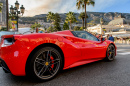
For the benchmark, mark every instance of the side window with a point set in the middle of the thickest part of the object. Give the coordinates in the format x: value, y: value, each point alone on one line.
x: 91, y: 37
x: 84, y: 35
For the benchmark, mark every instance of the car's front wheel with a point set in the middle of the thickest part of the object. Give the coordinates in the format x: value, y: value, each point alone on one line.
x: 45, y: 64
x: 110, y: 54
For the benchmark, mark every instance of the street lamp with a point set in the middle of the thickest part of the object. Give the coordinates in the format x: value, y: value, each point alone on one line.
x: 17, y: 5
x: 11, y: 9
x: 22, y: 9
x: 15, y: 11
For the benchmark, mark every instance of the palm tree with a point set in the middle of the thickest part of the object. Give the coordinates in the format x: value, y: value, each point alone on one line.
x: 65, y: 26
x: 83, y: 4
x: 82, y: 16
x: 35, y: 26
x: 70, y: 17
x: 50, y: 16
x: 57, y: 20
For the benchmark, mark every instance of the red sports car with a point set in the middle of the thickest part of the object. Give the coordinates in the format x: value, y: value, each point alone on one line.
x: 43, y: 55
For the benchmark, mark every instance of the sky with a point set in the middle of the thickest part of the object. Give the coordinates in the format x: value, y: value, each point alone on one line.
x: 36, y: 7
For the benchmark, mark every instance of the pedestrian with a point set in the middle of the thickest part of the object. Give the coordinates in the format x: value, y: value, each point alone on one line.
x: 36, y: 30
x: 40, y: 31
x: 98, y: 36
x: 111, y: 38
x: 107, y: 37
x: 101, y: 36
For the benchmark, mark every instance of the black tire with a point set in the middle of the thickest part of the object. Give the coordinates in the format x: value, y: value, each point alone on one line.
x: 45, y: 64
x: 110, y: 53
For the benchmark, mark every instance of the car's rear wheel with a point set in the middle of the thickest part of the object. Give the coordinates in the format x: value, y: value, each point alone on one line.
x: 110, y: 54
x: 45, y: 64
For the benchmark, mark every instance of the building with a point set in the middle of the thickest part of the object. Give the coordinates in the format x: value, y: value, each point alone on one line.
x: 96, y: 29
x: 119, y: 20
x: 3, y: 13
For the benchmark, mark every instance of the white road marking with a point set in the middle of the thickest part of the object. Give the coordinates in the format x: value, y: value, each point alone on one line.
x: 123, y: 49
x: 125, y: 53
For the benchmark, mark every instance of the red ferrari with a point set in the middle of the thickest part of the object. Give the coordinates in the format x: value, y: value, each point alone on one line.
x: 43, y: 55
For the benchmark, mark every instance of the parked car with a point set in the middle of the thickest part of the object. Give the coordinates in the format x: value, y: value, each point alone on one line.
x: 43, y: 55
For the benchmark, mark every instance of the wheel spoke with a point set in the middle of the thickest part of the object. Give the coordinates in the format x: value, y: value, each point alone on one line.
x: 110, y: 48
x: 44, y: 71
x: 48, y: 56
x: 39, y: 62
x: 110, y: 55
x: 41, y: 70
x: 50, y: 71
x: 43, y: 55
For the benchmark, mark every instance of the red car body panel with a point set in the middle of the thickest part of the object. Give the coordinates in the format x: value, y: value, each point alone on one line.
x: 77, y: 51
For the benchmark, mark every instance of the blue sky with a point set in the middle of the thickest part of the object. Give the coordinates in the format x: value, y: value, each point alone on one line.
x: 35, y: 7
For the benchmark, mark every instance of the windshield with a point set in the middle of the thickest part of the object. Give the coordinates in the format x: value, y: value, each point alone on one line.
x: 84, y: 35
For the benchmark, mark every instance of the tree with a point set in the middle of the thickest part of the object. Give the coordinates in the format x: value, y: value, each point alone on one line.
x: 82, y: 16
x: 50, y: 29
x: 57, y: 22
x: 50, y: 16
x: 82, y: 4
x: 35, y: 26
x: 1, y: 6
x: 55, y: 19
x: 65, y: 26
x: 76, y: 28
x: 70, y: 17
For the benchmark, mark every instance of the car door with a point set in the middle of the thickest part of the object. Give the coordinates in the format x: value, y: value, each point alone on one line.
x: 90, y: 46
x: 74, y: 42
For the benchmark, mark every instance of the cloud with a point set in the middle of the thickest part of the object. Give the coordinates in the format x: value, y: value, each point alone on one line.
x: 43, y: 6
x: 35, y: 7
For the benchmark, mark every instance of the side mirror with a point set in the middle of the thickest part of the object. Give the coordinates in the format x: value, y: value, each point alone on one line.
x: 103, y: 39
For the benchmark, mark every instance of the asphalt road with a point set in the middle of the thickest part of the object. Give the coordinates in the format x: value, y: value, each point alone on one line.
x: 116, y: 73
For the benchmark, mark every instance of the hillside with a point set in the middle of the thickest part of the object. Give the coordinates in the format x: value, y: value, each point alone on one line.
x: 94, y: 17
